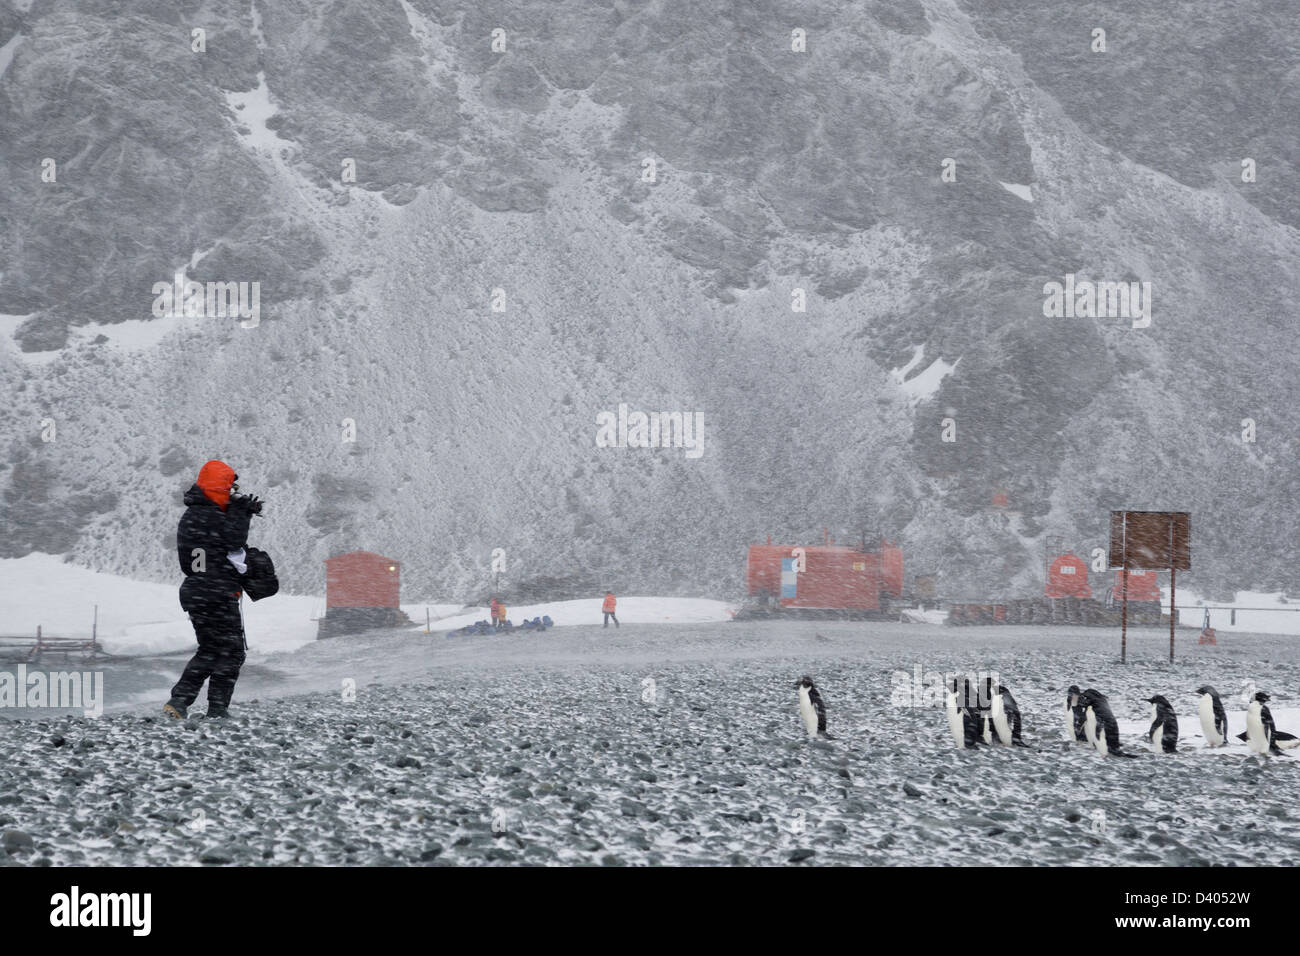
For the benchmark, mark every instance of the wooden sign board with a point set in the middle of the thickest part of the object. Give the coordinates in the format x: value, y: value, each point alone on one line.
x: 1151, y: 540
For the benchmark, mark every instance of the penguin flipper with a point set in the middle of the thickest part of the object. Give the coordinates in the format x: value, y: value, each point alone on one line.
x: 1242, y: 737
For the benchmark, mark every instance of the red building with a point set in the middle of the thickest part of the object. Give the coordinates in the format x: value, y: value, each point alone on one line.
x: 1142, y: 586
x: 363, y: 591
x: 1067, y: 576
x: 824, y: 577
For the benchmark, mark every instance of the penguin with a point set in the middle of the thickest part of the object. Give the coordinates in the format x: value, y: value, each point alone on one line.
x: 1214, y: 719
x: 956, y: 725
x: 1074, y: 716
x: 811, y: 708
x: 962, y: 723
x: 1002, y: 721
x: 1262, y: 735
x: 1163, y: 722
x: 1100, y: 724
x: 984, y: 708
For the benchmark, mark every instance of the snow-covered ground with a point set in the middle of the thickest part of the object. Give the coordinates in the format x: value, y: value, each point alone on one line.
x: 140, y: 617
x: 631, y: 610
x: 135, y: 617
x: 1260, y: 612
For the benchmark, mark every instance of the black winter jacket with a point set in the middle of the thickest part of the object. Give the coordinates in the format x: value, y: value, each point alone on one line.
x: 213, y: 591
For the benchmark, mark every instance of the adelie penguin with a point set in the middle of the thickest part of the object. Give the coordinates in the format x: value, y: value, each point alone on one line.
x: 812, y: 711
x: 963, y: 721
x: 1100, y: 724
x: 1262, y: 735
x: 1074, y: 715
x: 1002, y: 717
x: 1214, y: 719
x: 1163, y: 734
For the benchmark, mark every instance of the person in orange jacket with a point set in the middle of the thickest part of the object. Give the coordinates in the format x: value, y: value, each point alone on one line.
x: 501, y: 614
x: 495, y: 607
x: 608, y: 607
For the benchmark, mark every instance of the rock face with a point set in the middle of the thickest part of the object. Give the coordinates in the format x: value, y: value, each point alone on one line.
x: 387, y: 177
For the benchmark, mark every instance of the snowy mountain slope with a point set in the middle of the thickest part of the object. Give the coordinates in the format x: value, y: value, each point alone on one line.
x: 521, y: 171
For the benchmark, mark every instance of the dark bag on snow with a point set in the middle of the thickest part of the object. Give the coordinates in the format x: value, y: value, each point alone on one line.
x: 259, y: 580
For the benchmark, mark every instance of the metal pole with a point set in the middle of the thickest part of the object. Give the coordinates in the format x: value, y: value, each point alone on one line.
x: 1173, y: 572
x: 1123, y: 619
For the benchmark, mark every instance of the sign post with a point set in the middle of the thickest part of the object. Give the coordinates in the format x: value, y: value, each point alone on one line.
x: 1154, y: 541
x: 1123, y: 619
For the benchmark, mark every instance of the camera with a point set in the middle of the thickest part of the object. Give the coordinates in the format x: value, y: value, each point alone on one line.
x: 251, y: 502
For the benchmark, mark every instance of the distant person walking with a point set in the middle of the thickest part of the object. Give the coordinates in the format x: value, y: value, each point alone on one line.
x: 211, y: 544
x: 495, y: 607
x: 608, y: 608
x: 501, y: 615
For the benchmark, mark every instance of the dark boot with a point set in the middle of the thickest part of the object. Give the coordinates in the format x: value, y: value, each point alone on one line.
x: 175, y: 709
x: 218, y: 710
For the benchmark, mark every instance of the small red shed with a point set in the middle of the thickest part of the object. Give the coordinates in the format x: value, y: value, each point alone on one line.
x: 362, y: 579
x: 825, y: 577
x: 1142, y: 586
x: 1067, y: 576
x: 363, y: 590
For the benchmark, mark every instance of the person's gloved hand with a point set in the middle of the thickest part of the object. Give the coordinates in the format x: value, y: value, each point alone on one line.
x: 250, y: 503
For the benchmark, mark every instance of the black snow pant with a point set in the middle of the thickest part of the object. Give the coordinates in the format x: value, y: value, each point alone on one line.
x: 608, y: 615
x: 218, y: 659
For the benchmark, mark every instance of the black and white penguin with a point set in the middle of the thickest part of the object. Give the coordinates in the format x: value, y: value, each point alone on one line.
x: 1001, y: 719
x: 1100, y: 724
x: 1262, y: 735
x: 963, y: 722
x: 1163, y: 734
x: 1214, y: 719
x: 811, y: 709
x: 1074, y: 716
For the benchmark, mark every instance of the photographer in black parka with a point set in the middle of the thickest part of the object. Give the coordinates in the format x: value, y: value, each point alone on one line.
x: 211, y: 543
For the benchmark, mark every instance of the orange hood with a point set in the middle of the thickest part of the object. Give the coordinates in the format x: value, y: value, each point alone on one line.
x: 215, y: 479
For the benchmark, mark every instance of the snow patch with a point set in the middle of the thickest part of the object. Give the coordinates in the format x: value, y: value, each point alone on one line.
x: 7, y: 52
x: 901, y: 373
x: 915, y: 615
x: 1016, y: 189
x: 925, y: 385
x: 252, y: 109
x: 258, y: 35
